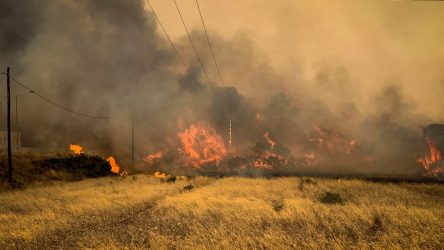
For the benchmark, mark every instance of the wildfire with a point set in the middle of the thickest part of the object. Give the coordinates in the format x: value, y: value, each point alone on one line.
x: 76, y: 149
x: 154, y: 157
x: 332, y: 141
x: 115, y: 168
x: 201, y: 145
x: 270, y: 141
x: 429, y: 162
x: 159, y: 174
x: 310, y: 159
x: 268, y: 160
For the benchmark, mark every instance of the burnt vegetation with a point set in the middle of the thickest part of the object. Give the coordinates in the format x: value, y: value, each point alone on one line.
x: 32, y: 168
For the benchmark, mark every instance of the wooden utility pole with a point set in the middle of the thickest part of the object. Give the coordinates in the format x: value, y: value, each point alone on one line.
x: 132, y: 143
x: 8, y: 89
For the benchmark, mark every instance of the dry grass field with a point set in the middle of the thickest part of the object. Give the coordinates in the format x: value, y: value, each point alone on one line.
x: 139, y: 212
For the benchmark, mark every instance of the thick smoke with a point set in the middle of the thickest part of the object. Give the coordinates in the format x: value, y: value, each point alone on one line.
x: 108, y: 58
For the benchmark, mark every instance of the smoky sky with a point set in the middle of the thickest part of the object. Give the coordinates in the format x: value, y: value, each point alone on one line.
x: 110, y: 58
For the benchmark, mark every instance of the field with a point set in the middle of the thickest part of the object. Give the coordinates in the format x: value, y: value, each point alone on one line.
x: 142, y: 211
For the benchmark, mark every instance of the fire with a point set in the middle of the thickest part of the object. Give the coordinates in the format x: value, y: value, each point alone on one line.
x: 271, y: 142
x: 201, y: 145
x: 76, y: 149
x: 115, y: 168
x: 430, y: 161
x: 159, y: 174
x: 268, y: 160
x: 310, y: 159
x: 332, y: 141
x: 154, y: 157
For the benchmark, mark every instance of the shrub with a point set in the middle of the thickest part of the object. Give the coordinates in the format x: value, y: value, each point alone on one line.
x: 171, y: 179
x: 304, y: 182
x: 331, y: 198
x: 377, y: 224
x: 188, y: 187
x: 80, y: 166
x: 278, y: 205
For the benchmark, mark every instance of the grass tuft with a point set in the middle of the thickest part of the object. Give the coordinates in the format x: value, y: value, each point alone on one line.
x: 188, y: 187
x: 171, y: 179
x: 331, y: 198
x: 278, y: 205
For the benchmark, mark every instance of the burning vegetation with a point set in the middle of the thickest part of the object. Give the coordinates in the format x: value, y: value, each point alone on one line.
x: 200, y: 145
x: 260, y: 120
x: 432, y: 163
x: 76, y: 149
x: 112, y: 162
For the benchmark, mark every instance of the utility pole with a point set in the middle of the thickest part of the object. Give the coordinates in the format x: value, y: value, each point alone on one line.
x: 132, y: 143
x: 229, y: 134
x: 8, y: 89
x: 16, y: 125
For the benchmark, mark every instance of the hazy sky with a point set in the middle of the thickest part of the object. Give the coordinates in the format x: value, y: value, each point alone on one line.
x: 378, y: 41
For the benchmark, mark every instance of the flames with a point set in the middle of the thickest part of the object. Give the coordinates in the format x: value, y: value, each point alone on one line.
x: 333, y: 142
x: 159, y: 174
x: 270, y: 141
x: 201, y: 145
x: 432, y: 162
x: 115, y: 168
x: 76, y: 149
x: 152, y: 158
x: 268, y: 158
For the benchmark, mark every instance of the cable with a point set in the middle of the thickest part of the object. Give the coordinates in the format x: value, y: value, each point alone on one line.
x: 58, y: 105
x: 230, y: 108
x: 194, y: 47
x: 175, y: 49
x: 209, y: 44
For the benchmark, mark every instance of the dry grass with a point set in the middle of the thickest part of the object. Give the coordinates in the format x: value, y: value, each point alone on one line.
x: 142, y: 212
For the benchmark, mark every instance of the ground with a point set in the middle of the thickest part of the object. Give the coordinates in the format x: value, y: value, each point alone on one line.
x: 142, y: 211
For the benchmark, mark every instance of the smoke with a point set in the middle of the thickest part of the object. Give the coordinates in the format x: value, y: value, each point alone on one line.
x: 110, y: 59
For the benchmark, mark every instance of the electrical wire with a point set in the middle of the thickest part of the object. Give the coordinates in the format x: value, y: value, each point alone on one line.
x: 194, y: 47
x: 59, y: 105
x: 209, y: 44
x: 176, y: 50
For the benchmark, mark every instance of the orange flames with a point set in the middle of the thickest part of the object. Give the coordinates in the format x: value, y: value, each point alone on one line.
x: 76, y: 149
x: 270, y: 141
x: 332, y: 141
x: 310, y: 159
x: 159, y: 174
x: 268, y: 160
x: 201, y: 145
x: 429, y: 162
x: 115, y: 168
x: 154, y: 157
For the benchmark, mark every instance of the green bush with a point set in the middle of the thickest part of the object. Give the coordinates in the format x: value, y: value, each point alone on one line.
x: 331, y: 198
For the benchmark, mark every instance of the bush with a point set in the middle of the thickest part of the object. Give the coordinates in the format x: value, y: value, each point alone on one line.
x: 304, y: 182
x: 188, y: 187
x: 171, y: 179
x: 80, y: 166
x: 278, y: 205
x: 331, y: 198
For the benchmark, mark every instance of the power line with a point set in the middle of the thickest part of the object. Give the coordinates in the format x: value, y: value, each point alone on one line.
x: 209, y: 44
x: 58, y: 105
x: 194, y: 47
x: 176, y: 50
